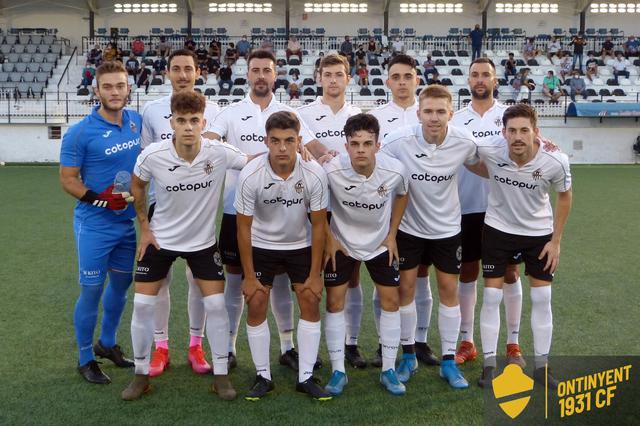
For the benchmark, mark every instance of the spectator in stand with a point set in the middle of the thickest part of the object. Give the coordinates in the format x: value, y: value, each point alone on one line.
x: 2, y: 58
x: 577, y: 86
x: 110, y: 53
x: 551, y: 87
x: 554, y: 46
x: 204, y: 70
x: 510, y: 67
x: 373, y: 49
x: 385, y: 55
x: 578, y: 42
x: 317, y: 65
x: 620, y: 65
x: 363, y: 75
x: 88, y: 73
x: 429, y: 66
x: 295, y: 83
x: 137, y: 47
x: 566, y: 66
x: 231, y: 55
x: 475, y: 37
x: 244, y: 47
x: 94, y: 57
x: 592, y: 71
x: 607, y: 49
x: 281, y: 70
x: 267, y: 44
x: 361, y: 56
x: 293, y: 48
x: 144, y: 79
x: 132, y: 65
x: 346, y: 49
x: 631, y: 46
x: 397, y: 46
x: 164, y: 48
x: 160, y: 67
x: 523, y: 84
x: 529, y: 50
x: 213, y: 66
x: 202, y: 53
x: 225, y: 77
x: 119, y: 54
x: 215, y: 48
x: 592, y: 61
x: 190, y: 44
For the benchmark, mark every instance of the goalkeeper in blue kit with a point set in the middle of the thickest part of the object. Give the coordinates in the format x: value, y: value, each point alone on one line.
x: 105, y: 144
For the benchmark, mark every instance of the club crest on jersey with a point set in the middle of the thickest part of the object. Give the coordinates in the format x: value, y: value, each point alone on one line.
x: 133, y: 127
x: 299, y: 186
x: 217, y: 259
x: 208, y: 167
x: 498, y: 122
x: 537, y: 174
x: 383, y: 191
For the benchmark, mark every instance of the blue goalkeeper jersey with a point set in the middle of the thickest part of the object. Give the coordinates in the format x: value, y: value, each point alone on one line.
x: 102, y: 149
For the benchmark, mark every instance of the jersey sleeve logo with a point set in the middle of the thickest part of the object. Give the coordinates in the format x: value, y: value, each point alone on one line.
x: 299, y: 186
x: 208, y: 167
x: 537, y: 174
x: 383, y: 191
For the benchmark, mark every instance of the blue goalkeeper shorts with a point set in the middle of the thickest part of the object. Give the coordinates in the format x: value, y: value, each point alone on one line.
x: 103, y: 247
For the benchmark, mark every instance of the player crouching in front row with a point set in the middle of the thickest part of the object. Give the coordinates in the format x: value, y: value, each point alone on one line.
x: 368, y: 199
x: 188, y: 173
x: 274, y: 233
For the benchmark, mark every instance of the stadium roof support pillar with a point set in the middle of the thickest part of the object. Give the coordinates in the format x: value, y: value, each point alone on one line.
x: 581, y: 8
x: 189, y: 16
x: 386, y: 17
x: 91, y: 5
x: 287, y: 16
x: 483, y: 6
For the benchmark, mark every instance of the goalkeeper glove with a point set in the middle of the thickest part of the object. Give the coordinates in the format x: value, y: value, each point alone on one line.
x: 106, y: 199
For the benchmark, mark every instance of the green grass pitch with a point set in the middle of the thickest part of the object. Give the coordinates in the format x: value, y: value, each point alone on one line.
x: 595, y: 301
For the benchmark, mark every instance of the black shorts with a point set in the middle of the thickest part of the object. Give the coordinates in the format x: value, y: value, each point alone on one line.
x: 228, y: 240
x: 378, y: 267
x: 499, y: 248
x: 269, y: 263
x: 471, y: 236
x: 205, y: 264
x: 444, y: 253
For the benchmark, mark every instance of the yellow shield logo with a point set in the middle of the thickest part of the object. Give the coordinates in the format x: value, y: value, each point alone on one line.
x: 512, y: 382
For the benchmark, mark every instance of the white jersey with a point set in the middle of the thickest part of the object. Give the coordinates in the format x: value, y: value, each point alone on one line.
x: 279, y: 207
x: 326, y: 126
x: 362, y: 206
x: 519, y: 196
x: 155, y: 120
x: 187, y: 194
x: 242, y: 124
x: 433, y: 210
x: 473, y: 189
x: 391, y: 117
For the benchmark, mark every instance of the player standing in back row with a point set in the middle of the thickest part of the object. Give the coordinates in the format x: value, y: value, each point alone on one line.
x: 326, y: 117
x: 156, y: 128
x: 483, y: 117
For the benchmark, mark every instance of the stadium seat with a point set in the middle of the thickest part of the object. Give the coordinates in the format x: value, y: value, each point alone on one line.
x: 25, y: 57
x: 464, y: 92
x: 375, y: 71
x: 224, y: 92
x: 449, y: 53
x: 308, y: 82
x: 56, y: 48
x: 604, y: 92
x: 8, y: 67
x: 239, y: 81
x: 453, y: 62
x: 18, y: 48
x: 618, y: 92
x: 463, y: 53
x: 4, y: 77
x: 10, y: 39
x: 377, y: 82
x: 20, y: 67
x: 446, y: 82
x: 379, y: 92
x: 558, y: 31
x: 48, y: 39
x: 456, y: 71
x: 532, y: 63
x: 42, y: 77
x: 28, y: 77
x: 436, y: 53
x: 31, y: 48
x: 46, y: 67
x: 238, y: 91
x: 5, y: 49
x: 365, y: 91
x: 440, y: 63
x: 309, y: 91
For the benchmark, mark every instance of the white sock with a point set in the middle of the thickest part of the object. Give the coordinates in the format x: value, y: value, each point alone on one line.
x: 282, y: 309
x: 308, y: 344
x: 449, y: 327
x: 162, y: 310
x: 259, y: 338
x: 334, y: 329
x: 353, y: 314
x: 235, y: 304
x: 142, y: 331
x: 390, y: 337
x: 468, y: 296
x: 424, y: 305
x: 377, y: 309
x: 408, y: 319
x: 513, y: 309
x: 490, y: 324
x: 217, y: 331
x: 195, y: 307
x: 541, y: 323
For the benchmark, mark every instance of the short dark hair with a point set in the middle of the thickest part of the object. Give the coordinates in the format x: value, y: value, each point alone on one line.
x: 261, y: 54
x: 188, y: 102
x: 283, y: 120
x: 520, y: 110
x: 109, y: 67
x: 362, y: 121
x: 334, y: 59
x: 182, y: 52
x: 484, y: 61
x: 402, y: 59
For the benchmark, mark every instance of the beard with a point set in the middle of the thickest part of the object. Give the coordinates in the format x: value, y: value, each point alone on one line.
x: 111, y: 108
x: 261, y: 91
x: 481, y: 96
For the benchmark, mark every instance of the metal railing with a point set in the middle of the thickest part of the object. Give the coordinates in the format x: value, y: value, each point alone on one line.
x: 65, y: 71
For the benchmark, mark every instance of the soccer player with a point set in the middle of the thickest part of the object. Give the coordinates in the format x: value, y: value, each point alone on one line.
x: 519, y: 219
x: 188, y: 172
x: 483, y: 117
x: 369, y: 194
x: 429, y: 232
x: 156, y: 128
x: 326, y: 117
x: 242, y: 124
x: 402, y: 111
x: 93, y: 152
x: 274, y: 233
